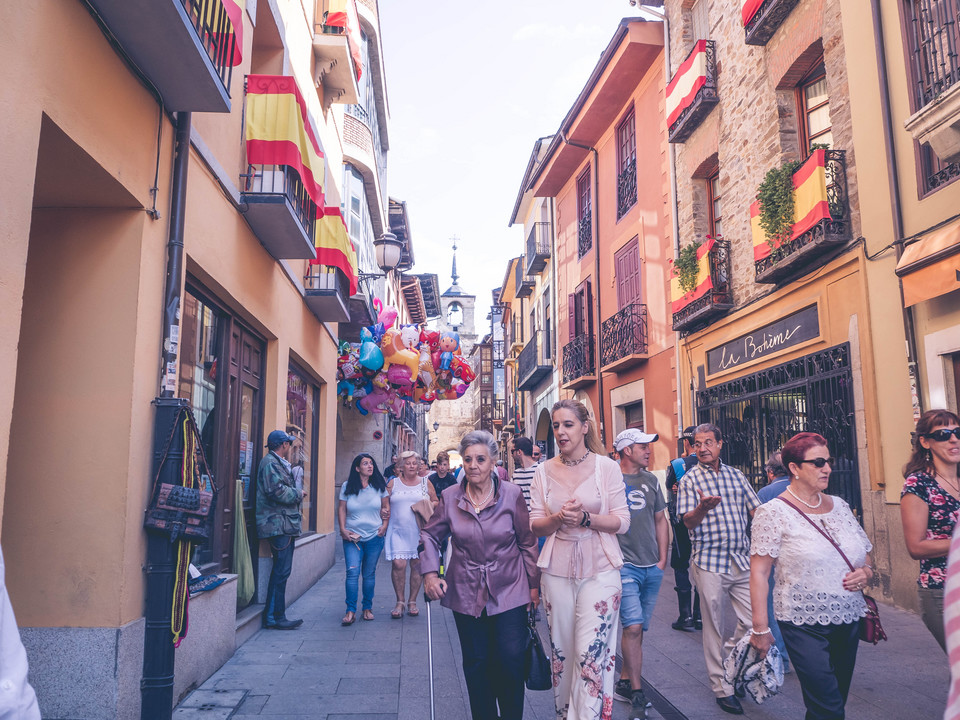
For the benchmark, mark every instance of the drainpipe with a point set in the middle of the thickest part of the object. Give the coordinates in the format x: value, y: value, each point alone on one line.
x: 596, y: 263
x: 893, y: 181
x: 156, y: 685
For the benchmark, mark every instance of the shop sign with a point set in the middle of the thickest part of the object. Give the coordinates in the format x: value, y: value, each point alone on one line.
x: 771, y: 339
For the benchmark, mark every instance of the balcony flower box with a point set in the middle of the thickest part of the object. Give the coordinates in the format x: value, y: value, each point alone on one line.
x: 692, y: 92
x: 821, y: 219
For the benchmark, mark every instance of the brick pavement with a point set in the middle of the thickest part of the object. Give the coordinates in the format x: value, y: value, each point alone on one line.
x: 378, y: 670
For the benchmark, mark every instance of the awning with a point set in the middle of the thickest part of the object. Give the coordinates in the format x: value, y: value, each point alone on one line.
x: 334, y: 247
x: 930, y: 267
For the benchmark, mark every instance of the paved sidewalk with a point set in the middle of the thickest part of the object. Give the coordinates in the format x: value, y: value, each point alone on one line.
x: 378, y: 670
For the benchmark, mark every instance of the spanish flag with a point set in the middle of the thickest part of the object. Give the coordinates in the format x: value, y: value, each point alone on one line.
x: 334, y: 247
x: 678, y: 298
x: 280, y: 132
x: 810, y: 204
x: 749, y: 9
x: 343, y: 13
x: 686, y: 83
x: 223, y: 19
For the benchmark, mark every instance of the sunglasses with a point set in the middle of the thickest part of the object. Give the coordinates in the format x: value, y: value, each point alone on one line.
x: 819, y: 462
x: 943, y: 434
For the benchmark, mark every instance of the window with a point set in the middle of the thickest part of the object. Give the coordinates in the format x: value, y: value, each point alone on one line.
x: 699, y: 25
x: 633, y: 415
x: 814, y: 110
x: 303, y: 423
x: 585, y: 227
x: 580, y: 308
x: 626, y: 263
x: 626, y: 164
x: 713, y: 201
x: 547, y: 337
x: 933, y: 37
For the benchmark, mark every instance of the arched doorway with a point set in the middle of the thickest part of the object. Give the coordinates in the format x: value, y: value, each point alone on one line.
x: 544, y: 434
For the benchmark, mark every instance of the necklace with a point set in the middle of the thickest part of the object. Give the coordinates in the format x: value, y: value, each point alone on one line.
x: 812, y: 507
x: 486, y: 499
x: 954, y: 486
x: 573, y: 463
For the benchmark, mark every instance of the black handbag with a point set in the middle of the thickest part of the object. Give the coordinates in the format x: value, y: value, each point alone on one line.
x: 539, y: 675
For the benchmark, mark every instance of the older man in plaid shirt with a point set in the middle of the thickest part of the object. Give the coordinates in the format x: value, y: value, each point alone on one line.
x: 715, y: 503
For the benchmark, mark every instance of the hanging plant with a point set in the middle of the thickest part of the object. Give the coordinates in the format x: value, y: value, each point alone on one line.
x: 775, y: 196
x: 687, y: 266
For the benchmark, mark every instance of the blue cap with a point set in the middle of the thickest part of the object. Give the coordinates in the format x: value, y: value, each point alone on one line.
x: 278, y: 438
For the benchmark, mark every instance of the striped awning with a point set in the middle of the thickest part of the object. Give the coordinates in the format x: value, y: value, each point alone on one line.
x: 279, y: 131
x: 678, y: 298
x: 810, y: 204
x: 686, y: 82
x: 334, y: 247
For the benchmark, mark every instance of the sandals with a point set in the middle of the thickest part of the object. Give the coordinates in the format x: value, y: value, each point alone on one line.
x: 368, y: 615
x: 349, y: 618
x: 412, y: 609
x: 397, y: 612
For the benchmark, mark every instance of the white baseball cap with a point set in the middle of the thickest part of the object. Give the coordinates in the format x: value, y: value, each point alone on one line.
x: 631, y: 436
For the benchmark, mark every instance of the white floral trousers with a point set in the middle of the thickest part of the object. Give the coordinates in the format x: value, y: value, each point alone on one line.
x: 584, y: 616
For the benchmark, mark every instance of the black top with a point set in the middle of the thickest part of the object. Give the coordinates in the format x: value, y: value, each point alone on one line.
x: 442, y: 483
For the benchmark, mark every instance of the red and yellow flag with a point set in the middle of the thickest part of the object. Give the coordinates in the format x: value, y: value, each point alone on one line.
x: 678, y: 298
x: 225, y: 27
x: 343, y: 13
x: 689, y: 78
x: 749, y: 9
x: 334, y: 247
x: 279, y: 131
x: 810, y: 204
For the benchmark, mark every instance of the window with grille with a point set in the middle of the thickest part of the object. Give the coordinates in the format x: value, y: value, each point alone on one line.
x: 814, y: 110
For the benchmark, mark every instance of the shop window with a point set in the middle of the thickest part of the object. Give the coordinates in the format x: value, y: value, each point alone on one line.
x: 814, y: 110
x: 713, y: 204
x: 633, y: 415
x: 303, y: 421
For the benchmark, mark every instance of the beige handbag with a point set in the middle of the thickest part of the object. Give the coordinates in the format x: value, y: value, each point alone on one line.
x: 423, y: 509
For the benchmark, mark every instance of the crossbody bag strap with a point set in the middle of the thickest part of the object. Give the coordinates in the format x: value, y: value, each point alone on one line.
x: 819, y: 530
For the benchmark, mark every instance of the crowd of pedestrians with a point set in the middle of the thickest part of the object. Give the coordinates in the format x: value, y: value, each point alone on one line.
x: 594, y: 535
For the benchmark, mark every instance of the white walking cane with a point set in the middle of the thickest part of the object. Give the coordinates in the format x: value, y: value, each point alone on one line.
x: 430, y: 654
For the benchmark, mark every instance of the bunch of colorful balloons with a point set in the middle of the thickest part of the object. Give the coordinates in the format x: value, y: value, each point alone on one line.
x: 391, y: 365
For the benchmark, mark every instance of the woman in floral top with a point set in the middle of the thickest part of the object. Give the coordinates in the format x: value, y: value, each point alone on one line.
x: 930, y: 507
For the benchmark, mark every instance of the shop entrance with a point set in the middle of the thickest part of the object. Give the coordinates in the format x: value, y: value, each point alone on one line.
x: 758, y: 413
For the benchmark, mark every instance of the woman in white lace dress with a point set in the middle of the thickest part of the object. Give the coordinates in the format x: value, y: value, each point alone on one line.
x: 403, y: 533
x: 817, y: 599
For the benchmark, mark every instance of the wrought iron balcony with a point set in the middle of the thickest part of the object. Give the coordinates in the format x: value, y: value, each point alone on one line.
x: 499, y: 411
x: 627, y: 188
x: 280, y: 211
x: 538, y: 247
x: 798, y: 255
x: 623, y: 338
x: 524, y: 282
x: 761, y: 26
x: 690, y: 111
x: 716, y: 300
x: 532, y: 368
x: 327, y: 293
x: 185, y: 47
x: 579, y: 366
x: 498, y: 354
x: 584, y: 235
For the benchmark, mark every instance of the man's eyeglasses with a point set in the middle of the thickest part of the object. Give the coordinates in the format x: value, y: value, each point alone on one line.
x: 943, y: 434
x: 819, y: 462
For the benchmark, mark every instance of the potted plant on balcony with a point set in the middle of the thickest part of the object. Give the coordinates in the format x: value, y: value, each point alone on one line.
x: 775, y: 198
x: 687, y: 266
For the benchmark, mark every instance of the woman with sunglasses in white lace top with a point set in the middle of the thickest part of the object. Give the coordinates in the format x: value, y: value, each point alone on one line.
x: 929, y: 508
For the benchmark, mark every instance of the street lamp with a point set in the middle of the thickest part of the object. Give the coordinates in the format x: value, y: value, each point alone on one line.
x: 388, y: 249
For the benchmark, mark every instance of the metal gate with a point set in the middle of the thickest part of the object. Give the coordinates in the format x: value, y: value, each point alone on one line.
x: 758, y: 413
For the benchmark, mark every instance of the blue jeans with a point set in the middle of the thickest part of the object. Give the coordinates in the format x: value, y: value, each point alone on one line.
x: 641, y: 586
x: 774, y: 627
x: 275, y: 607
x: 361, y: 557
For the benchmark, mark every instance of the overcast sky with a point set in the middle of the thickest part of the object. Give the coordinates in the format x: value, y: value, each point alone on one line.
x: 470, y: 87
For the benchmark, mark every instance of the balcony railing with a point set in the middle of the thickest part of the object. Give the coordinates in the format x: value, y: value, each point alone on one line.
x: 627, y: 188
x: 760, y: 26
x: 498, y: 354
x: 409, y: 416
x: 538, y: 247
x: 499, y: 411
x: 623, y: 338
x: 716, y: 300
x: 280, y: 211
x: 185, y: 47
x: 584, y: 235
x: 326, y: 291
x: 524, y: 282
x: 531, y: 366
x: 579, y: 367
x: 685, y: 112
x: 826, y: 234
x: 935, y: 41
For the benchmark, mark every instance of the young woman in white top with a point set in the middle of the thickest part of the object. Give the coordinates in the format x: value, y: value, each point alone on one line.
x: 817, y: 598
x: 578, y: 501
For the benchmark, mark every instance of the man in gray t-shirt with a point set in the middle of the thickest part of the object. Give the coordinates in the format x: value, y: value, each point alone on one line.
x: 645, y: 549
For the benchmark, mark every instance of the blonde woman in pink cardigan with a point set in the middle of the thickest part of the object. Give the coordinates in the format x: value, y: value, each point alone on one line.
x: 578, y: 501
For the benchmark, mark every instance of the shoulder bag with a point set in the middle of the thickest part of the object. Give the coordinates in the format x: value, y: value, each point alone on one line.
x: 871, y: 630
x: 539, y: 675
x: 423, y: 509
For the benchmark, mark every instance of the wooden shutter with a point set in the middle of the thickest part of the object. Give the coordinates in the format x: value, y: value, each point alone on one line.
x: 572, y: 316
x: 588, y: 307
x: 627, y: 265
